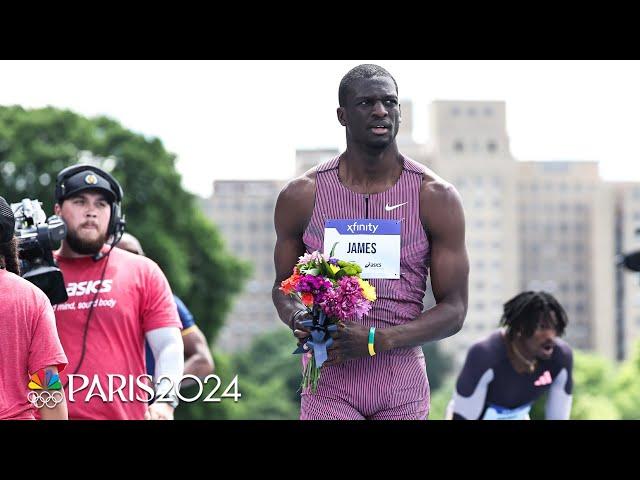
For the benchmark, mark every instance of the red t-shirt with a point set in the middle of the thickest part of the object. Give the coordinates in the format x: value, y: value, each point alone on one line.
x: 28, y: 342
x: 134, y: 297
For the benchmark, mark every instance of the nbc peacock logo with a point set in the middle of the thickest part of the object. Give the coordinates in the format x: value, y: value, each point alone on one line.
x: 40, y: 385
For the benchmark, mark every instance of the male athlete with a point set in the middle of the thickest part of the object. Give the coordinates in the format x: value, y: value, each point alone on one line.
x: 400, y: 222
x: 506, y: 372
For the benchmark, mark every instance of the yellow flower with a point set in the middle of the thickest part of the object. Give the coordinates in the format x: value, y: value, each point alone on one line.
x: 334, y: 268
x: 368, y: 290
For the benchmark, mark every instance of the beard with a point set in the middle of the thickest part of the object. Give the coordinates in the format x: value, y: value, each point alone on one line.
x: 85, y: 246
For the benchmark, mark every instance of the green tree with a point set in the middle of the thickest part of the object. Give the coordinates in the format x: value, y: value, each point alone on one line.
x: 627, y: 387
x: 268, y: 381
x: 439, y: 364
x: 440, y: 398
x: 36, y: 144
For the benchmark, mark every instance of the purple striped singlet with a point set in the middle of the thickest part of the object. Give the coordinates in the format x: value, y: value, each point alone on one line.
x: 391, y: 384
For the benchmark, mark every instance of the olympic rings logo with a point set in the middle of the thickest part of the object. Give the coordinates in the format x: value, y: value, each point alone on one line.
x: 40, y: 399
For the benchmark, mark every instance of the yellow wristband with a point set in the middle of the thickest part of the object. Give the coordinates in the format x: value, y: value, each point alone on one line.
x: 372, y: 333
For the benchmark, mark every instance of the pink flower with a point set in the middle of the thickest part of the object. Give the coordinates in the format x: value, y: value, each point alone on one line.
x: 346, y: 300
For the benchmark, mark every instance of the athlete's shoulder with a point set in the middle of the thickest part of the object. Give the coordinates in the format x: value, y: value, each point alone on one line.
x: 562, y: 353
x: 436, y: 189
x: 488, y: 350
x: 300, y: 188
x: 295, y: 203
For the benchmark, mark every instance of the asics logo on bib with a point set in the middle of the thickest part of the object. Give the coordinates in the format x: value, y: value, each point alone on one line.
x: 90, y: 286
x: 362, y: 227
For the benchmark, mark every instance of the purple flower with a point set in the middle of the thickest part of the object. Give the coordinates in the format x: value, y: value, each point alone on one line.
x: 315, y: 285
x: 346, y: 300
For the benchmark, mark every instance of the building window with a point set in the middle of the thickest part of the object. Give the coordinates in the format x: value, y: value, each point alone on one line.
x: 488, y: 111
x: 492, y: 147
x: 457, y: 146
x: 471, y: 112
x: 455, y: 111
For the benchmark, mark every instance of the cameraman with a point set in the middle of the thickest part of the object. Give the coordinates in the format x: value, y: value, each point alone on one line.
x: 116, y: 301
x: 29, y: 342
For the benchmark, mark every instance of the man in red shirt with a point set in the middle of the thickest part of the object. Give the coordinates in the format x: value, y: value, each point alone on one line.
x: 116, y: 301
x: 29, y: 343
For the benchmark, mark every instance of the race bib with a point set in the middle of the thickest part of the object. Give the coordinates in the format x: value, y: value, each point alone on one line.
x: 372, y: 244
x: 496, y: 412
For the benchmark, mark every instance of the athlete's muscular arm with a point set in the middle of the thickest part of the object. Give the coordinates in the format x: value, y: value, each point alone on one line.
x: 559, y: 399
x: 293, y: 211
x: 470, y: 394
x: 443, y: 218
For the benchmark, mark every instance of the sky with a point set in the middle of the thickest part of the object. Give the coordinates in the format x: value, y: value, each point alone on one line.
x: 245, y: 119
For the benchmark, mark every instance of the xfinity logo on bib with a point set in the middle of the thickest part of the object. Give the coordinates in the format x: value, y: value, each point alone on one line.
x: 91, y: 286
x: 362, y: 227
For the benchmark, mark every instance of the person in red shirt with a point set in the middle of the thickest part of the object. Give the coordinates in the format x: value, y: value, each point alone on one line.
x: 29, y: 342
x: 116, y: 301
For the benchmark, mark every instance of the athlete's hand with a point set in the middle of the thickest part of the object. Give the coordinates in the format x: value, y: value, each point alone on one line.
x: 301, y: 333
x: 159, y: 411
x: 350, y: 341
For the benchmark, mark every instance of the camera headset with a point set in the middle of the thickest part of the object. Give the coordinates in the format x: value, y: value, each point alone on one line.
x: 81, y: 177
x: 76, y: 178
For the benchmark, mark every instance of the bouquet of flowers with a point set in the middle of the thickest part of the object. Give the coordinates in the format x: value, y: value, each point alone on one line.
x: 332, y: 291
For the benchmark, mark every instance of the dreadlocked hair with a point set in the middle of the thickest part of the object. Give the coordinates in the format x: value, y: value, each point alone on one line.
x: 9, y: 256
x: 529, y: 310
